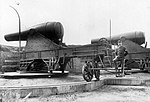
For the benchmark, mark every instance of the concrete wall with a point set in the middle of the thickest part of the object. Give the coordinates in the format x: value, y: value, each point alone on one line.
x: 37, y: 42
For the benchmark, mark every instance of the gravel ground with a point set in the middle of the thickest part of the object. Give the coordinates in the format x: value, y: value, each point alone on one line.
x: 105, y: 94
x: 71, y: 78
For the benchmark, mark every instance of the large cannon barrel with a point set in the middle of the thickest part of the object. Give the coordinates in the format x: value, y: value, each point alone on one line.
x: 137, y: 37
x: 52, y: 30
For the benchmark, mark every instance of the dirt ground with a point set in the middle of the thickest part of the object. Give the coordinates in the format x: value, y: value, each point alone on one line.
x: 20, y: 82
x: 71, y: 78
x: 105, y: 94
x: 143, y: 75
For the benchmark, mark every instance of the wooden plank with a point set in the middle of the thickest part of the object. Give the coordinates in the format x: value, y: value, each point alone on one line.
x: 85, y: 55
x: 85, y: 51
x: 4, y: 66
x: 101, y: 68
x: 11, y: 61
x: 7, y: 74
x: 45, y: 58
x: 105, y: 68
x: 25, y: 62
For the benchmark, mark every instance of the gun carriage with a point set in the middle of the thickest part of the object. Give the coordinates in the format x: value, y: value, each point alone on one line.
x: 45, y: 51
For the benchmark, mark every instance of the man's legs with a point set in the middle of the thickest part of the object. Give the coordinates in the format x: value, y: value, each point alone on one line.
x: 115, y: 60
x: 122, y: 67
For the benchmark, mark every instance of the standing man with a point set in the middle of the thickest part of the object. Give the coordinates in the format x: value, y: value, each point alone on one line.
x: 120, y: 56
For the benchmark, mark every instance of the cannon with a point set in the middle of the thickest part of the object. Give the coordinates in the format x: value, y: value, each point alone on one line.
x: 52, y: 30
x: 44, y: 51
x: 41, y: 42
x: 136, y: 37
x: 138, y: 56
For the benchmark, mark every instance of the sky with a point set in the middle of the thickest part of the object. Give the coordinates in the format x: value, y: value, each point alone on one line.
x: 82, y: 20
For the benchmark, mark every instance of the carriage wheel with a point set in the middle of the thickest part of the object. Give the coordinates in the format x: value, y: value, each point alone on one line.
x: 87, y: 74
x: 97, y: 74
x: 143, y: 66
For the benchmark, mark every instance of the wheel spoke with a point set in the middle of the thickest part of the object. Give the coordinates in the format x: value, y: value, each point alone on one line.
x: 97, y: 74
x: 87, y: 75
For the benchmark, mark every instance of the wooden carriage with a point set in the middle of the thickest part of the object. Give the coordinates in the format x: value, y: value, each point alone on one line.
x: 45, y: 53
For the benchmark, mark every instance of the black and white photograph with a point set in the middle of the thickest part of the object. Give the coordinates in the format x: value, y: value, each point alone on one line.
x: 74, y: 50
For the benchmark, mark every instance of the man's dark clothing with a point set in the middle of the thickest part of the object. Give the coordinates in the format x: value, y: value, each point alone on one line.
x: 120, y: 51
